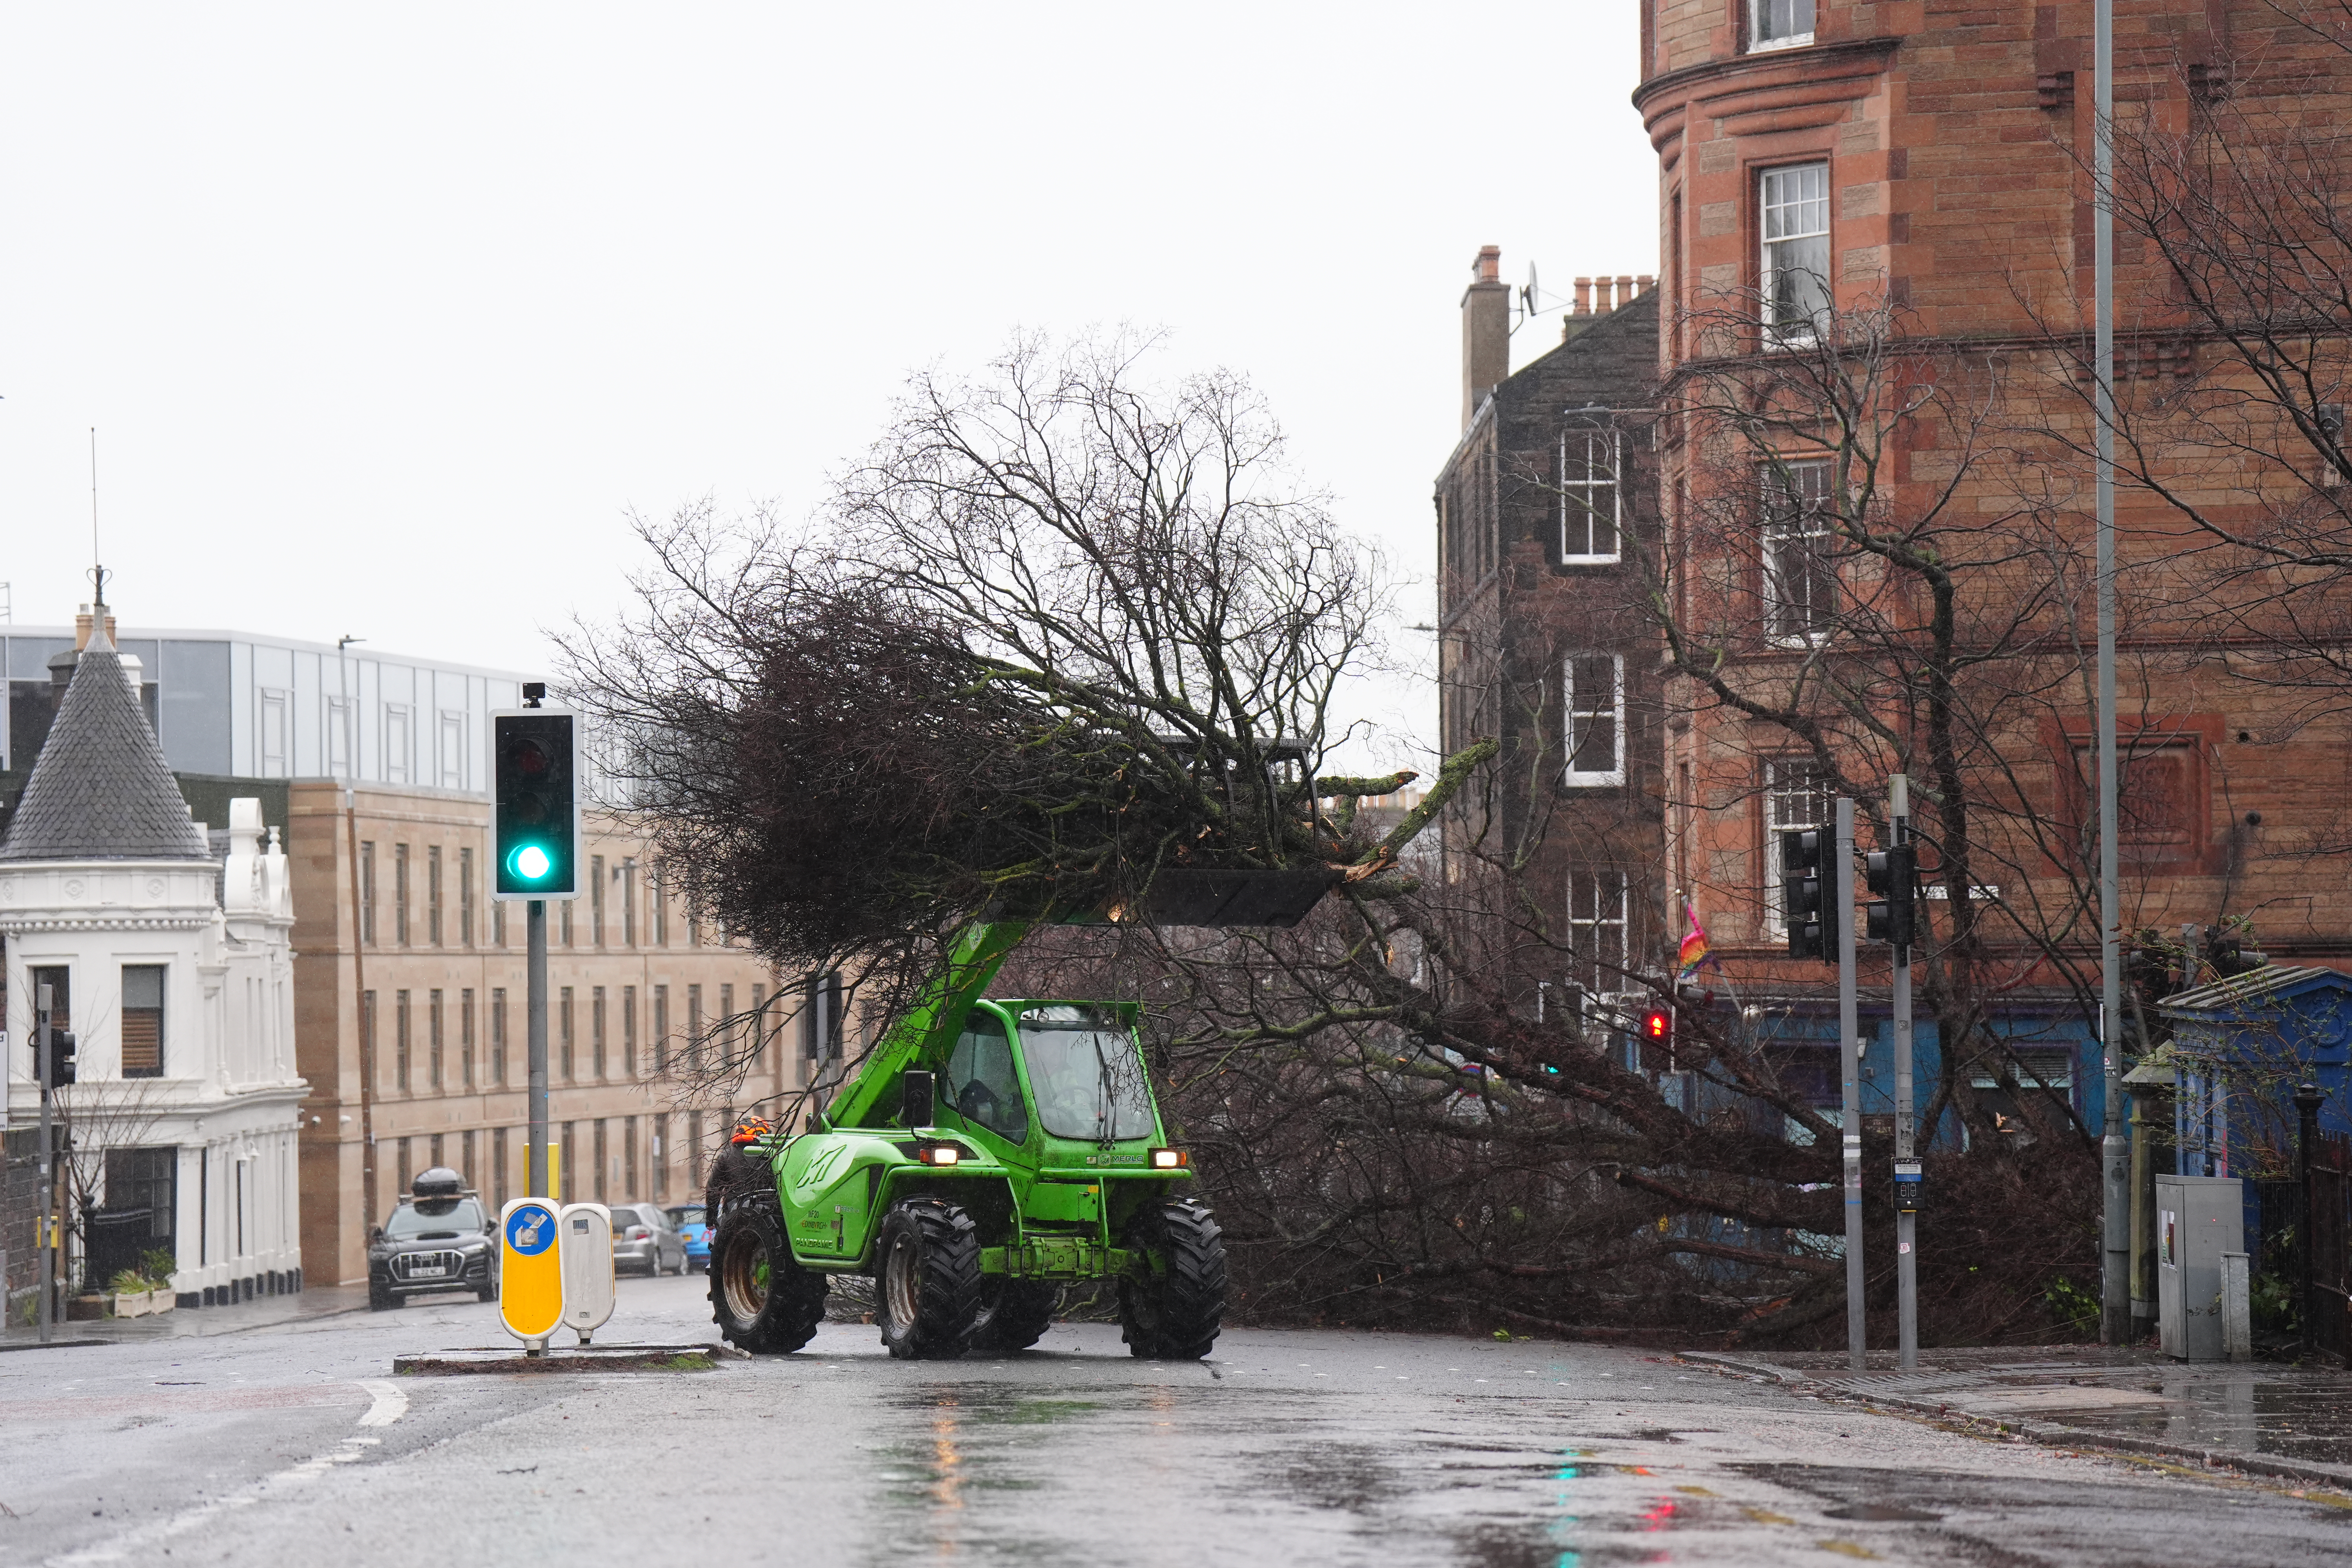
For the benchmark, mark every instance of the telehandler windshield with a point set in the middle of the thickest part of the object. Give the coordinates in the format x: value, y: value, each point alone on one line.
x: 1086, y: 1074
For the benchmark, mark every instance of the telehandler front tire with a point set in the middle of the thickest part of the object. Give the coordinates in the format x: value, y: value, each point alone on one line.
x: 1171, y: 1301
x: 927, y: 1279
x: 1013, y: 1314
x: 763, y: 1300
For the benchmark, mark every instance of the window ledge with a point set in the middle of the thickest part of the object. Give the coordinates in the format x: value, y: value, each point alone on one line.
x: 1769, y: 46
x: 1592, y: 560
x: 1616, y: 779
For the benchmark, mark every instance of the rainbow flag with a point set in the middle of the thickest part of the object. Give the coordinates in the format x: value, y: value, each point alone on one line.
x: 1695, y: 953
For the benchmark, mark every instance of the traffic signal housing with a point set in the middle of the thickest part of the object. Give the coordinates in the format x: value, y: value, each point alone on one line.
x: 1808, y: 894
x: 60, y: 1050
x: 1657, y: 1033
x: 1892, y: 915
x: 535, y: 804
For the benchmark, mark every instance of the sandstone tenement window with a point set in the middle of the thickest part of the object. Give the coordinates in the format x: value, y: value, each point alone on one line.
x: 596, y: 900
x: 499, y: 1036
x: 567, y: 904
x: 142, y: 1020
x: 1599, y: 904
x: 729, y: 1030
x: 434, y: 1039
x: 659, y: 1151
x: 694, y: 1029
x: 400, y: 894
x: 628, y: 1031
x: 661, y: 1028
x: 1780, y: 24
x: 367, y: 893
x: 1793, y: 278
x: 1800, y: 569
x: 629, y: 1151
x: 563, y: 1021
x: 1591, y: 503
x: 399, y: 1042
x: 596, y: 1027
x: 629, y: 904
x: 1796, y: 796
x: 1595, y: 686
x: 465, y: 897
x: 466, y: 1038
x: 758, y: 1025
x: 433, y: 894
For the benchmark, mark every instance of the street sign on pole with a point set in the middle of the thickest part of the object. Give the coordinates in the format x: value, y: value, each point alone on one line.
x: 1838, y: 884
x: 586, y: 1243
x: 531, y: 1272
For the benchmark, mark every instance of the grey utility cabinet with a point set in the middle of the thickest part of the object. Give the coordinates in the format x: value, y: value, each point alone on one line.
x: 2198, y: 1218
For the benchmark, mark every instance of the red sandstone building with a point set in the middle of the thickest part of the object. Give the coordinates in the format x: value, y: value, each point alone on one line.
x: 1906, y: 182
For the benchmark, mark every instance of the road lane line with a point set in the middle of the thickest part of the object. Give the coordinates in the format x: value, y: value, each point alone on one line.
x: 388, y: 1402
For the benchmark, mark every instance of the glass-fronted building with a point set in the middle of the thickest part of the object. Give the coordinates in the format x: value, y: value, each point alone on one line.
x: 233, y: 703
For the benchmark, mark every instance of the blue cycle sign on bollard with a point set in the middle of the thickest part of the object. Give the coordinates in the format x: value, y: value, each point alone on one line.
x: 530, y: 1283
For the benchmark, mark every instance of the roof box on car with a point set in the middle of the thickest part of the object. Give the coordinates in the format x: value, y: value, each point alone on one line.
x: 440, y: 1182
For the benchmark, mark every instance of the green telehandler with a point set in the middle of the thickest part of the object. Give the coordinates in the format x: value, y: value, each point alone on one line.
x: 987, y: 1153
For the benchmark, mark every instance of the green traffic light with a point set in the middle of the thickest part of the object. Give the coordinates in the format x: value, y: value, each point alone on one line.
x: 530, y: 863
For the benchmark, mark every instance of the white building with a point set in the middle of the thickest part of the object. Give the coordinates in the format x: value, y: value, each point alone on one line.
x: 176, y: 976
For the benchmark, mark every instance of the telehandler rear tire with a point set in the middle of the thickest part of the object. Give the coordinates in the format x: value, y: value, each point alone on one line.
x: 927, y: 1279
x: 1171, y: 1301
x: 763, y: 1300
x: 1013, y: 1314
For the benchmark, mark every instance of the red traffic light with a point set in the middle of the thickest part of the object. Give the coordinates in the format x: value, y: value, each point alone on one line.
x: 1657, y: 1024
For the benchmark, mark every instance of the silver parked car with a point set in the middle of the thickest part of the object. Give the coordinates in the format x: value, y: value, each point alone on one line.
x: 643, y: 1237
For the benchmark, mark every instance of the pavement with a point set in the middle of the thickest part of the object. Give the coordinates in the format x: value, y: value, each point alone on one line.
x: 262, y: 1312
x: 2261, y: 1417
x: 293, y: 1441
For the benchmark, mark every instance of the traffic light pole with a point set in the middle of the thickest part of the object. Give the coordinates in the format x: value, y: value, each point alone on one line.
x: 536, y: 1174
x: 43, y: 1051
x: 1839, y: 885
x: 1907, y: 1156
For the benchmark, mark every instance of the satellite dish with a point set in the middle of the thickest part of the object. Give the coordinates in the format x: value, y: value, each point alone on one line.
x: 1527, y: 294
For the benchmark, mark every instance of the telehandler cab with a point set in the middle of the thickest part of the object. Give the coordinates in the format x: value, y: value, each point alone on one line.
x: 987, y: 1153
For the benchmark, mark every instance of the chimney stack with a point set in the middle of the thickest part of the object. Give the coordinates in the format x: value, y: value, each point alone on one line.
x: 1485, y: 332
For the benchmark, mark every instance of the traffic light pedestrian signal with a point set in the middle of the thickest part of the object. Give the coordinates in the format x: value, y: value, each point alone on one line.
x: 535, y: 804
x: 1893, y: 875
x: 1808, y: 894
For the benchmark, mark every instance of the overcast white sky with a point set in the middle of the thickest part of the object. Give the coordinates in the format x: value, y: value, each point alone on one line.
x: 387, y: 316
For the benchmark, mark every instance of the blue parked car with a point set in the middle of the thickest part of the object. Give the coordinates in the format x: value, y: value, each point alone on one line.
x: 688, y: 1219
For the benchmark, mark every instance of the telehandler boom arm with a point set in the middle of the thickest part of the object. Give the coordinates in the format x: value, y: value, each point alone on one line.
x: 980, y: 951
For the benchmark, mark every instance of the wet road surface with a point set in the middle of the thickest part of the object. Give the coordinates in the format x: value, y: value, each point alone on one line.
x: 292, y: 1443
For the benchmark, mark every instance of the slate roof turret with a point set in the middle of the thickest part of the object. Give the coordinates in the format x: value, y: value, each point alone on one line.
x: 100, y: 789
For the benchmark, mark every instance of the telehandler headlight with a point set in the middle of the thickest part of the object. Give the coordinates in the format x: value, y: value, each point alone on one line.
x: 939, y: 1153
x: 1170, y: 1160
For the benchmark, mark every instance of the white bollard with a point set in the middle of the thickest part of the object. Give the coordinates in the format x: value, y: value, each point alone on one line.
x: 584, y: 1236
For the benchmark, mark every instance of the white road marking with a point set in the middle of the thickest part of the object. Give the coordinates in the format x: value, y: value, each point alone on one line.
x: 389, y: 1403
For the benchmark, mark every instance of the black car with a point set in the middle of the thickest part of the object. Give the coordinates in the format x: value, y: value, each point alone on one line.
x: 442, y: 1236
